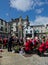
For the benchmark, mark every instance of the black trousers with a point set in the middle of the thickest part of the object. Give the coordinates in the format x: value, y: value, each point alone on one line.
x: 9, y: 47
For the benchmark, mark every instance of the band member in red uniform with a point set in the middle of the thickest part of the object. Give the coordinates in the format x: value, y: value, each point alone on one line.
x: 35, y: 44
x: 41, y: 48
x: 46, y: 45
x: 27, y: 45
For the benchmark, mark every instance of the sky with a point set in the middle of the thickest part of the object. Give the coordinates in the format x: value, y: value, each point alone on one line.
x: 37, y: 10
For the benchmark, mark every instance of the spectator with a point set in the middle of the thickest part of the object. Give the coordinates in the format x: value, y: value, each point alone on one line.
x: 10, y: 42
x: 5, y: 41
x: 27, y: 48
x: 46, y: 45
x: 41, y: 48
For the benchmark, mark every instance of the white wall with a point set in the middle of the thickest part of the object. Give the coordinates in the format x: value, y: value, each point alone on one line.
x: 14, y: 26
x: 28, y: 30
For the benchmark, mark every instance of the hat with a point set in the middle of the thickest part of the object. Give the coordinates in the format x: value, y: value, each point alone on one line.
x: 28, y: 38
x: 36, y: 38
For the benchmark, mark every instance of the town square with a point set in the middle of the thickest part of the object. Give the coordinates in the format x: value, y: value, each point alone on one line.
x: 23, y: 32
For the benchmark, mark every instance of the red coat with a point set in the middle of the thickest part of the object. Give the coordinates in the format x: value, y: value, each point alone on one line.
x: 5, y: 41
x: 1, y: 40
x: 42, y: 47
x: 30, y: 40
x: 35, y: 43
x: 46, y: 45
x: 27, y: 46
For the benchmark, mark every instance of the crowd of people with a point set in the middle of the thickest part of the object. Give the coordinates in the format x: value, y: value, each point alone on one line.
x: 36, y: 45
x: 10, y: 42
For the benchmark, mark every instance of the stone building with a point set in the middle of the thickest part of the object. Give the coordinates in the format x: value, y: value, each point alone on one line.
x: 4, y: 28
x: 18, y: 25
x: 22, y: 28
x: 39, y: 30
x: 35, y: 30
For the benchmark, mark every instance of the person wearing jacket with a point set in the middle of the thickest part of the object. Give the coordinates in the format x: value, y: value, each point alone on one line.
x: 5, y: 41
x: 41, y: 48
x: 46, y: 45
x: 28, y: 46
x: 10, y: 42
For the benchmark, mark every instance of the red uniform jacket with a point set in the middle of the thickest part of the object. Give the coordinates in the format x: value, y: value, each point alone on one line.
x: 42, y: 47
x: 27, y: 46
x: 5, y: 41
x: 35, y: 43
x: 46, y: 45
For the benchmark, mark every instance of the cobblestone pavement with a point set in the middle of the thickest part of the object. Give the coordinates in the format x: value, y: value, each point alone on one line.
x: 9, y: 58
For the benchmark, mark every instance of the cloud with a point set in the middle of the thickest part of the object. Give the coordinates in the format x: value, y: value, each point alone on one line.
x: 41, y: 2
x: 25, y: 5
x: 40, y: 20
x: 22, y: 5
x: 39, y: 11
x: 31, y: 23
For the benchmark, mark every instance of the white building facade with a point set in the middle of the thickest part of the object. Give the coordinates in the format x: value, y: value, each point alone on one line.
x: 39, y: 30
x: 35, y: 30
x: 28, y: 32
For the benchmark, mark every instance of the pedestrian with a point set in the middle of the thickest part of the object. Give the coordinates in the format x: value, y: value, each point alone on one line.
x: 10, y: 41
x: 5, y: 41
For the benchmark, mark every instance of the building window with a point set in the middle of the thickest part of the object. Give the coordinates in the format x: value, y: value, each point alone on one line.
x: 27, y: 27
x: 30, y: 27
x: 6, y: 29
x: 11, y: 27
x: 31, y: 31
x: 1, y: 22
x: 37, y: 31
x: 1, y: 29
x: 26, y: 32
x: 47, y: 28
x: 16, y: 28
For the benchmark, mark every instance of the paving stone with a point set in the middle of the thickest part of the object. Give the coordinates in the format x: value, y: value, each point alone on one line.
x: 9, y: 58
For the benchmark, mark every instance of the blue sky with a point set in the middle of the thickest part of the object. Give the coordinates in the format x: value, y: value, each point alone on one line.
x: 37, y: 10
